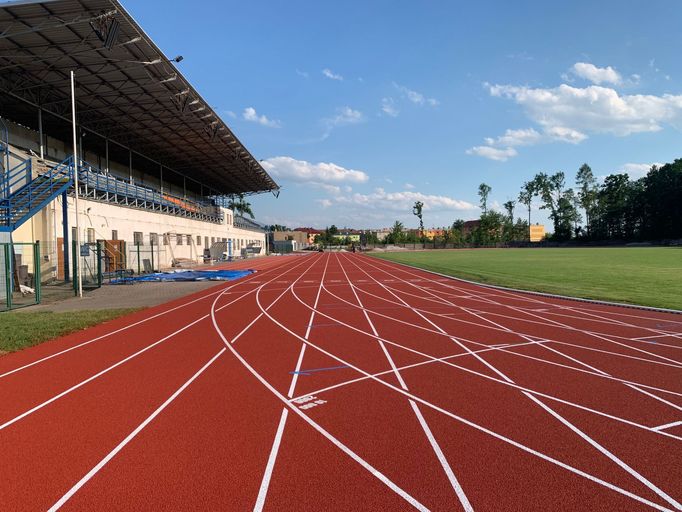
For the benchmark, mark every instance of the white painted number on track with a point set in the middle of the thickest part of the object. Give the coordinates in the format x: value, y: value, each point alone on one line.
x: 308, y: 402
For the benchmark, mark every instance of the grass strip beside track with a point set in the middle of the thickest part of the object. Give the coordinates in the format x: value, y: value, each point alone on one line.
x: 21, y: 330
x: 646, y: 276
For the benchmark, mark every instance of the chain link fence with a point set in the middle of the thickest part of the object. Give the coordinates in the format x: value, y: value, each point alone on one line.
x: 20, y: 275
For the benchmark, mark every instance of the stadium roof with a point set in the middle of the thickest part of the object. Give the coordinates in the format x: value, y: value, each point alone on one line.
x: 128, y: 91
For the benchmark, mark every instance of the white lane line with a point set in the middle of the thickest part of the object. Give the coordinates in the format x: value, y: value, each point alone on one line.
x: 501, y: 381
x: 662, y: 494
x: 544, y: 320
x: 95, y: 376
x: 668, y: 425
x: 443, y: 461
x: 269, y: 467
x: 241, y: 282
x: 610, y: 455
x: 130, y: 436
x: 461, y: 419
x: 450, y: 474
x: 265, y: 483
x: 371, y: 469
x: 119, y: 363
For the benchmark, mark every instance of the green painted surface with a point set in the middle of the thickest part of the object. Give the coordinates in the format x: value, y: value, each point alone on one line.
x: 648, y: 276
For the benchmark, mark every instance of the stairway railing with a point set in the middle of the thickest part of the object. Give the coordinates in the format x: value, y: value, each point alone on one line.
x: 20, y: 205
x: 20, y: 175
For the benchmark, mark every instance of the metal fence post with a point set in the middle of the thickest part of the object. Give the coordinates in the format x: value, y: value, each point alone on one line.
x: 76, y: 255
x: 152, y: 251
x: 37, y: 271
x: 99, y: 264
x: 8, y: 277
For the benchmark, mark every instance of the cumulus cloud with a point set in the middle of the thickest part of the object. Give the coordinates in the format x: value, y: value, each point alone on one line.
x: 594, y: 109
x: 251, y: 115
x: 301, y: 171
x: 597, y: 75
x: 331, y: 75
x: 491, y: 153
x: 403, y: 201
x: 416, y: 97
x: 388, y: 107
x: 521, y: 137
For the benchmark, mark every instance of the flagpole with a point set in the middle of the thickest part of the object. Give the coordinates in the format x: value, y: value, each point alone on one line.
x: 79, y: 275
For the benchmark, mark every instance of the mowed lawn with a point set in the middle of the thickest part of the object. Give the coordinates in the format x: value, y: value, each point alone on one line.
x: 649, y: 276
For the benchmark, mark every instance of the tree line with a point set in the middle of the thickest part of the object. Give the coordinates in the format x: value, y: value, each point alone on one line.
x: 619, y: 208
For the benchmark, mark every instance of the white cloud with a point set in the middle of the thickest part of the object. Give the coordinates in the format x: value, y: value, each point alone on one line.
x: 563, y: 134
x: 324, y: 203
x: 491, y: 153
x: 346, y: 115
x: 331, y: 75
x: 597, y: 75
x: 251, y: 115
x: 636, y: 171
x: 521, y: 137
x: 316, y: 174
x: 403, y: 201
x: 304, y: 74
x: 416, y: 97
x: 231, y: 114
x: 593, y: 109
x: 389, y: 108
x: 409, y: 186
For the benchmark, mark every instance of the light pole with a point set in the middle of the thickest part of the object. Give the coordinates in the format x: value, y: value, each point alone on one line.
x: 79, y: 275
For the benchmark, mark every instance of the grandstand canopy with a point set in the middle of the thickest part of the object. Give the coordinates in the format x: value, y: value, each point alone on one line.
x: 127, y: 91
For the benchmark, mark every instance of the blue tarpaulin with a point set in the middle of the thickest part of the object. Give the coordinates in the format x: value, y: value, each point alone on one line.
x: 187, y: 275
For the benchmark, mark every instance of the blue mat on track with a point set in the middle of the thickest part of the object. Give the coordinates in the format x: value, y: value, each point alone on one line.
x: 186, y: 275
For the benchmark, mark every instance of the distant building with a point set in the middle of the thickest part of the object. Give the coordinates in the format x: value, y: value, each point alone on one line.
x: 537, y: 233
x: 433, y: 233
x: 300, y: 237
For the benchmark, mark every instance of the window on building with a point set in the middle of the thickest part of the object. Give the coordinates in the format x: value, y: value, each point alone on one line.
x: 178, y: 239
x: 91, y: 235
x: 189, y: 239
x: 206, y: 242
x: 153, y: 239
x: 198, y: 240
x: 165, y: 239
x: 138, y: 238
x: 114, y: 234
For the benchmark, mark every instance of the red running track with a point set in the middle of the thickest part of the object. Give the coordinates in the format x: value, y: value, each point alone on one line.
x: 343, y: 382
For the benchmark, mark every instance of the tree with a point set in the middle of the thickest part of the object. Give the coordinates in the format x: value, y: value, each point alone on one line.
x: 417, y: 210
x: 483, y: 191
x: 397, y: 233
x: 526, y: 195
x: 551, y: 190
x: 240, y: 206
x: 587, y: 193
x: 509, y: 220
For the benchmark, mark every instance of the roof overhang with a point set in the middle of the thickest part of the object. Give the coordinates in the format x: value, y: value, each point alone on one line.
x: 127, y: 92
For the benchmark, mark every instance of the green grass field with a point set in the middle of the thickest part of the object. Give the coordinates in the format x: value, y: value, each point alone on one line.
x: 649, y: 276
x: 24, y: 329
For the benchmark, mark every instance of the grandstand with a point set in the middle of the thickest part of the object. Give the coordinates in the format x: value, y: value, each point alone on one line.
x: 155, y: 165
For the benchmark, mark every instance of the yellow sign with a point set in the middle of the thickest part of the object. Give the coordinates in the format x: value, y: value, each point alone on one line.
x: 537, y: 233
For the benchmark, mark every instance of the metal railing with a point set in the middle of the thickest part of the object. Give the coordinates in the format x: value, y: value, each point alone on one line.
x: 98, y: 185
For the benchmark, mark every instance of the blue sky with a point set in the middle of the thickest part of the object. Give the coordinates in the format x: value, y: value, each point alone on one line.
x: 360, y: 108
